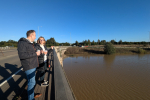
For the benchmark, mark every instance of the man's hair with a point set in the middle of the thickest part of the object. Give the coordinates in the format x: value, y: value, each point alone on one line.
x: 29, y: 32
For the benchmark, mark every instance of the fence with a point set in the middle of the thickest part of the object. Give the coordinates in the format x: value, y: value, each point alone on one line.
x: 5, y: 48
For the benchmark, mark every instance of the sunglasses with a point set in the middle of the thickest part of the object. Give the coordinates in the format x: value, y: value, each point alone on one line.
x: 41, y: 40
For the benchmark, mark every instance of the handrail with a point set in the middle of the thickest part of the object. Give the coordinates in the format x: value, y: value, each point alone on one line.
x: 62, y: 88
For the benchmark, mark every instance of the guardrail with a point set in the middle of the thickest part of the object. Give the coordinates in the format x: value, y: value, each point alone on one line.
x: 1, y: 84
x: 62, y: 88
x: 5, y: 48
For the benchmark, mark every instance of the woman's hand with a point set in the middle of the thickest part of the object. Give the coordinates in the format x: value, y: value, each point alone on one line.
x: 45, y: 52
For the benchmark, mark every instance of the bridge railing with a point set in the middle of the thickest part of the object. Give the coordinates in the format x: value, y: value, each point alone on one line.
x: 6, y: 48
x: 62, y: 88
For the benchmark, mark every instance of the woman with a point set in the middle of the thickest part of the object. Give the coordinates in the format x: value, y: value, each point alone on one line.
x: 42, y: 58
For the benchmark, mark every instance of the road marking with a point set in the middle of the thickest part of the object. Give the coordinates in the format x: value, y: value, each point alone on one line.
x: 8, y: 50
x: 7, y: 56
x: 10, y: 77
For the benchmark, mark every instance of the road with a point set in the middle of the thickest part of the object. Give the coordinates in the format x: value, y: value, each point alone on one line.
x: 9, y: 52
x: 10, y: 64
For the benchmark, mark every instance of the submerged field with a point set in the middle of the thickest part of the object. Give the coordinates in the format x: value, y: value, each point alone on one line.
x: 109, y: 77
x: 121, y: 49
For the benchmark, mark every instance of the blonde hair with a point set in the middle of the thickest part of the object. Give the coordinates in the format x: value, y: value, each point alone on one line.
x: 38, y: 41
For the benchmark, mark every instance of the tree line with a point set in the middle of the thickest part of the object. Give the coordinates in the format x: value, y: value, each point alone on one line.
x: 49, y: 42
x: 52, y: 42
x: 10, y: 43
x: 103, y: 42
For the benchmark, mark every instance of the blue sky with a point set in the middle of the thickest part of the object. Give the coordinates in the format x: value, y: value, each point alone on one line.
x: 71, y: 20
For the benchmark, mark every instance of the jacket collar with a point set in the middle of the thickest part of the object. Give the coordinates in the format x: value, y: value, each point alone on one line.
x: 29, y: 40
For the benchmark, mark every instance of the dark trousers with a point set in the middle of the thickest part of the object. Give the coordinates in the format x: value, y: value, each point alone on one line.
x: 42, y: 75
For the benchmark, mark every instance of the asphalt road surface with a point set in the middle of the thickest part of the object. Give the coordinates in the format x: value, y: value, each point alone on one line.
x: 10, y: 64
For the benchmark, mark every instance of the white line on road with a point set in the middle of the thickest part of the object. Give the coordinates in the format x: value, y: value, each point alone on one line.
x: 10, y: 77
x: 8, y: 56
x: 8, y: 50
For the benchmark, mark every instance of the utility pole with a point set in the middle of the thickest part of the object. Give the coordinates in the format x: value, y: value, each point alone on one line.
x: 53, y: 40
x: 38, y: 30
x: 149, y: 39
x: 70, y: 39
x: 98, y: 38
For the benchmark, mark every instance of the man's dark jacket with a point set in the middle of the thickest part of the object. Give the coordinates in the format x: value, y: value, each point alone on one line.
x: 41, y: 57
x: 27, y: 54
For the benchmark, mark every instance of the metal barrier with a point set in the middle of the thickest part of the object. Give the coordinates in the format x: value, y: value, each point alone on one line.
x: 6, y: 48
x: 62, y: 89
x: 21, y: 69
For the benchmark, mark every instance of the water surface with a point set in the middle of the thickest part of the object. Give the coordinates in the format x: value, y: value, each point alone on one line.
x: 109, y: 77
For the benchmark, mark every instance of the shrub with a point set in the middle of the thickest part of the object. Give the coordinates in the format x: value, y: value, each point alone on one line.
x: 145, y: 45
x: 109, y: 48
x: 72, y: 50
x: 141, y: 51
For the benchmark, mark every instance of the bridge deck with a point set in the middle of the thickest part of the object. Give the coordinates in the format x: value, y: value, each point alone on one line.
x: 47, y: 92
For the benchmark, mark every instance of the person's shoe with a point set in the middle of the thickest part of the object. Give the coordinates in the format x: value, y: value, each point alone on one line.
x: 37, y: 95
x: 44, y: 84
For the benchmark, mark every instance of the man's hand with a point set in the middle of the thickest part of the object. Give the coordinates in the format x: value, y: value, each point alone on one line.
x: 42, y: 51
x: 38, y: 53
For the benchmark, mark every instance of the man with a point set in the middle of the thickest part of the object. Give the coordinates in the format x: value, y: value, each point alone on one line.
x: 29, y: 61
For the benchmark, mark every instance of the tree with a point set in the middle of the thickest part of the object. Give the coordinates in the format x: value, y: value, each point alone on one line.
x: 51, y: 42
x: 143, y: 42
x: 8, y: 43
x: 120, y: 42
x: 89, y: 42
x: 85, y: 42
x: 98, y: 42
x: 65, y: 44
x: 77, y: 44
x: 93, y: 42
x: 113, y: 41
x: 109, y: 48
x: 103, y: 42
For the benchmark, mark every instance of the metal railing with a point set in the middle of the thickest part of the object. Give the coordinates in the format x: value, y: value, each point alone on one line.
x: 6, y: 48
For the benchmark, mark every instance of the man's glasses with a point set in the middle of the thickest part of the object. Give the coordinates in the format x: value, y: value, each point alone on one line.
x: 41, y: 40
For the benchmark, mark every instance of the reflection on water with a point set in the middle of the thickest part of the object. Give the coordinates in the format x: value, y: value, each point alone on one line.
x: 109, y: 77
x: 108, y: 60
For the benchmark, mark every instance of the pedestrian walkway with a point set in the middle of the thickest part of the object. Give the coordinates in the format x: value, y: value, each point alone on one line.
x: 47, y: 91
x: 58, y: 89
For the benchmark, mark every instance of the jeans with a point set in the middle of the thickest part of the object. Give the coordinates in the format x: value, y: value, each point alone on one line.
x: 43, y: 73
x: 31, y: 83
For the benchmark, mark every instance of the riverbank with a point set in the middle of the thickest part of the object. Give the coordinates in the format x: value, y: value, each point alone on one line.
x: 100, y: 50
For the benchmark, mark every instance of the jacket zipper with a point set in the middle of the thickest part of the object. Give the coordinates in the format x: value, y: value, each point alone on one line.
x: 37, y: 56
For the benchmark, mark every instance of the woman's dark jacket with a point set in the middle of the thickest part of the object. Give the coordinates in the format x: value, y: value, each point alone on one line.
x: 40, y: 57
x: 27, y: 54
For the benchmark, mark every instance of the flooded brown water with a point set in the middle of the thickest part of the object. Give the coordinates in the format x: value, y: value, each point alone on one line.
x: 109, y: 77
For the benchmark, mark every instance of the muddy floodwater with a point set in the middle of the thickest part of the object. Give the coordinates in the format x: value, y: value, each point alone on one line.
x: 109, y: 77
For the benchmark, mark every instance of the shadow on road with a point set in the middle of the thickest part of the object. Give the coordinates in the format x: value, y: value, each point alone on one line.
x: 14, y: 85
